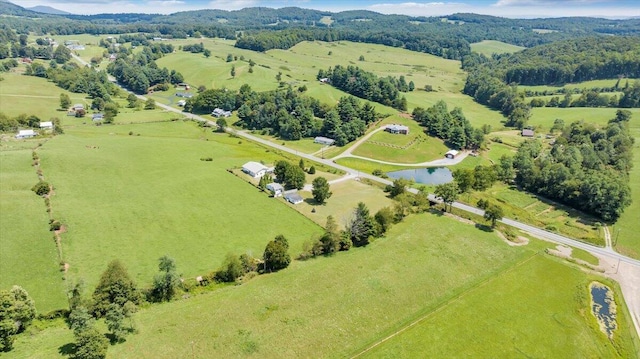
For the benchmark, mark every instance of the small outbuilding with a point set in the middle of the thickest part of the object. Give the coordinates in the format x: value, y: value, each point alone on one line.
x: 26, y: 134
x: 293, y: 197
x: 47, y: 125
x: 254, y: 169
x: 276, y: 189
x: 451, y: 154
x: 397, y: 129
x: 77, y: 107
x: 325, y: 80
x: 528, y: 133
x: 97, y: 117
x: 181, y: 103
x: 324, y: 141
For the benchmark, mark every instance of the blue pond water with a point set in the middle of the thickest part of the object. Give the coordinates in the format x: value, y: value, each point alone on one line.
x: 602, y: 307
x: 434, y: 175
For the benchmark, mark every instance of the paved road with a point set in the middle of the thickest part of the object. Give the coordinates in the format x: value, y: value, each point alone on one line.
x: 608, y: 252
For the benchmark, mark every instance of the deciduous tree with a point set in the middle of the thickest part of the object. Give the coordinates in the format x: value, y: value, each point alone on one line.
x: 320, y: 190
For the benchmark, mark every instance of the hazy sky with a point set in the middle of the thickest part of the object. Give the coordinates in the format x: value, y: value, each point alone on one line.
x: 506, y: 8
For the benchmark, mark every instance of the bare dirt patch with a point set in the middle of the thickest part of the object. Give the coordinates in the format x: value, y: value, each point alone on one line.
x: 519, y: 241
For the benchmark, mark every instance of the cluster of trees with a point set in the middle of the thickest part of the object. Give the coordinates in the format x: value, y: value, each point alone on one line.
x: 594, y: 98
x: 140, y: 71
x: 453, y: 126
x: 289, y: 175
x: 17, y: 311
x: 289, y: 114
x: 194, y: 48
x: 366, y: 85
x: 12, y: 124
x: 587, y: 168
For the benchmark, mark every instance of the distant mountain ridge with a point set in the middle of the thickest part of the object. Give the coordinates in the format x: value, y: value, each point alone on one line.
x: 48, y: 10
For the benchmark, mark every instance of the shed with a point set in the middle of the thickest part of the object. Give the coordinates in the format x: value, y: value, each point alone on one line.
x: 48, y: 125
x: 276, y: 189
x: 324, y: 141
x: 451, y: 154
x: 293, y: 197
x: 97, y: 117
x: 77, y: 107
x: 26, y: 134
x: 397, y: 129
x: 181, y: 103
x: 254, y: 169
x: 528, y: 133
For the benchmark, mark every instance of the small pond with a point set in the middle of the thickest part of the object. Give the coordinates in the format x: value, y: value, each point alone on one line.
x: 433, y: 175
x: 603, y: 307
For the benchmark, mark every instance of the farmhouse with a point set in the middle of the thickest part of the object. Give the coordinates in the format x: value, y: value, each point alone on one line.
x: 218, y: 112
x: 77, y: 107
x: 97, y: 117
x: 254, y: 169
x: 293, y: 197
x: 528, y: 133
x: 451, y: 154
x: 26, y: 134
x: 276, y: 189
x: 324, y: 141
x: 397, y: 129
x: 48, y: 125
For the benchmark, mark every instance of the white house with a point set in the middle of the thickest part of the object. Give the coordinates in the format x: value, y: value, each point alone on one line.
x: 218, y: 112
x: 254, y: 169
x: 48, y: 125
x: 276, y: 189
x: 451, y: 154
x: 181, y: 103
x: 293, y: 197
x: 26, y: 134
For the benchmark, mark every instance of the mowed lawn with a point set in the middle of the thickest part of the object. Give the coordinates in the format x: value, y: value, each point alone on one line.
x: 518, y: 313
x: 415, y: 147
x: 139, y: 197
x: 28, y: 256
x: 490, y: 47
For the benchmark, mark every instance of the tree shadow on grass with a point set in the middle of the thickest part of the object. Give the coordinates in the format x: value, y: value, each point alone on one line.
x: 484, y: 227
x: 67, y: 349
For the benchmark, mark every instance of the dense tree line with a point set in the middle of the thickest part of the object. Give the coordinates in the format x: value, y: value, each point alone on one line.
x: 140, y: 71
x: 289, y: 114
x: 451, y: 126
x: 587, y: 167
x: 366, y: 85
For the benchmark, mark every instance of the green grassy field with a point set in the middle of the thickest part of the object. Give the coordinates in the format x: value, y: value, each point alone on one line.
x: 29, y: 95
x: 579, y: 85
x: 137, y: 198
x: 343, y: 201
x: 28, y: 255
x: 443, y: 269
x: 497, y: 324
x: 490, y: 47
x: 412, y: 148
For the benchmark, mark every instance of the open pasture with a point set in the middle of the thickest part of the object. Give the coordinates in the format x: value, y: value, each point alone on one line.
x: 606, y: 83
x: 138, y: 197
x: 519, y: 312
x: 490, y: 47
x: 28, y: 255
x: 20, y: 94
x: 429, y: 266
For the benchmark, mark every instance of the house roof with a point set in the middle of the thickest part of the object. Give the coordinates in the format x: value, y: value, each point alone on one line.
x: 321, y: 139
x: 254, y: 167
x: 26, y: 132
x: 293, y: 197
x: 528, y: 133
x: 46, y: 124
x: 275, y: 187
x: 452, y: 152
x: 395, y: 127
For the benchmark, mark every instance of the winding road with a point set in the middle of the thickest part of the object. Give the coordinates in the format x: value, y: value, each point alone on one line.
x: 631, y: 296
